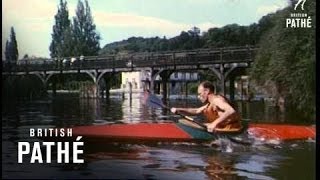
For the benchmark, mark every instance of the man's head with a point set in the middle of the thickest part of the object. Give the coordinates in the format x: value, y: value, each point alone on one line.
x: 204, y: 89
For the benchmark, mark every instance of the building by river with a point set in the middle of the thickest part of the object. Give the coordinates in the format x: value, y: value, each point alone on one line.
x: 139, y: 80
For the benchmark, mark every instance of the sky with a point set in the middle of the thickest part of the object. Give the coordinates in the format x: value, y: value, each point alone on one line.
x: 117, y: 20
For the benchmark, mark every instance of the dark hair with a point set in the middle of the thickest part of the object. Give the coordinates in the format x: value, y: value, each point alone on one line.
x: 208, y: 85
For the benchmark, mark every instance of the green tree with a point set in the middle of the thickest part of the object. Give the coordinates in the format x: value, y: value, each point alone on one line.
x: 86, y: 39
x: 285, y: 62
x: 61, y: 42
x: 7, y: 51
x: 231, y: 35
x: 11, y: 50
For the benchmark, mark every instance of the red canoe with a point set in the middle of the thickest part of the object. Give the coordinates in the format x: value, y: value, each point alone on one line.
x: 282, y: 131
x: 142, y: 132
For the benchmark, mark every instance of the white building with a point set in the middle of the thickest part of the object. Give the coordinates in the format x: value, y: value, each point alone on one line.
x: 134, y: 79
x: 137, y: 79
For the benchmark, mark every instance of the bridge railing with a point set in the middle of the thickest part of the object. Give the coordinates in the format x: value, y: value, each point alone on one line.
x: 147, y: 59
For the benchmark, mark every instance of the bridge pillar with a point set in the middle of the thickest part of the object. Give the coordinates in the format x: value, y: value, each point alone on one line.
x: 165, y: 76
x: 108, y: 79
x: 164, y: 81
x: 152, y: 86
x: 54, y: 86
x: 219, y: 72
x: 222, y: 71
x: 153, y: 78
x: 107, y: 88
x: 186, y: 84
x: 96, y: 77
x: 44, y: 77
x: 93, y: 90
x: 232, y: 78
x: 222, y: 80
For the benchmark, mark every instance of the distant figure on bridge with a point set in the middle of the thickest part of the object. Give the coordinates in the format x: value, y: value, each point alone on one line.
x: 219, y: 113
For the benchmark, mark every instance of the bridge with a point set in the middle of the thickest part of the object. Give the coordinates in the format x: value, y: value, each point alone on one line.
x: 221, y: 61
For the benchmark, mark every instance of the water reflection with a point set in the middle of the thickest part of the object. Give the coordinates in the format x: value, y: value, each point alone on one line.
x: 188, y: 160
x: 90, y: 109
x: 218, y: 168
x: 160, y: 161
x: 133, y: 108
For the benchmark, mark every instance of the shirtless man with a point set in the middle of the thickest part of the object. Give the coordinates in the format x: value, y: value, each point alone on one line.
x: 220, y: 115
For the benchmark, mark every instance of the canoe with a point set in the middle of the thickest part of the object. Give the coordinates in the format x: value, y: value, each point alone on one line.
x: 282, y: 131
x: 181, y: 131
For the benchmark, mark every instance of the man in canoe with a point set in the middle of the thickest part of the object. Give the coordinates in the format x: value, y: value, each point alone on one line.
x: 220, y: 115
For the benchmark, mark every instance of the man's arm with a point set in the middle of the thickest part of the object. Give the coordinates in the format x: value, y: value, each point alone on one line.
x: 227, y: 110
x: 193, y: 111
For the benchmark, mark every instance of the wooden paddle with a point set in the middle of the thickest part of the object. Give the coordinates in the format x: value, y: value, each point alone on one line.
x: 155, y: 102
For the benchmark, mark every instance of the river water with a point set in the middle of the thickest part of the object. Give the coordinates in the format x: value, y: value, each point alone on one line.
x: 277, y: 160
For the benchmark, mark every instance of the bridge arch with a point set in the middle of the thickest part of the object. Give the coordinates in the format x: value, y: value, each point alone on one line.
x: 43, y: 77
x: 23, y: 86
x: 218, y: 60
x: 96, y: 78
x: 223, y: 71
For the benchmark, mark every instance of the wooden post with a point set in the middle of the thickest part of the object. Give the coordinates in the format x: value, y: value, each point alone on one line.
x: 232, y: 88
x: 222, y: 80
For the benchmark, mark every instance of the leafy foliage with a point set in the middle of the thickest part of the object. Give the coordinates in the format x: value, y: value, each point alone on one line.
x: 231, y: 35
x: 60, y: 44
x: 285, y: 63
x: 11, y: 51
x: 86, y: 39
x: 77, y: 38
x: 186, y: 40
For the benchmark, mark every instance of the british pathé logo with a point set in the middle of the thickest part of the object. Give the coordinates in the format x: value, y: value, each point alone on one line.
x: 299, y: 19
x: 301, y: 3
x: 36, y: 149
